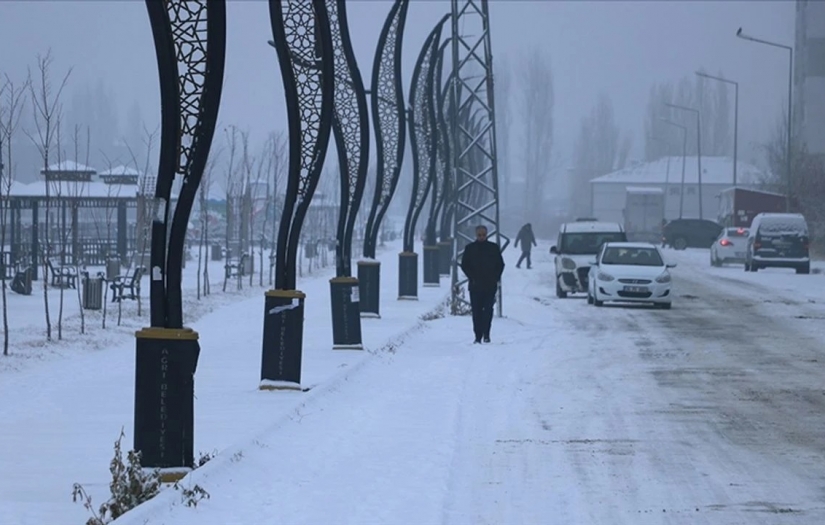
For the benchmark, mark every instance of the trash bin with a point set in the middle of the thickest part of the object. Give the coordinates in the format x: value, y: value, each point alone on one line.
x: 217, y: 254
x: 92, y: 291
x: 112, y: 268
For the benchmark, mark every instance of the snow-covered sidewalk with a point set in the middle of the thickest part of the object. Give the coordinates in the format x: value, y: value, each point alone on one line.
x: 58, y: 421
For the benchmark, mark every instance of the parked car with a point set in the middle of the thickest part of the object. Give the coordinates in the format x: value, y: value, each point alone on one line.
x: 630, y: 272
x: 778, y: 240
x: 690, y: 233
x: 577, y: 243
x: 730, y: 247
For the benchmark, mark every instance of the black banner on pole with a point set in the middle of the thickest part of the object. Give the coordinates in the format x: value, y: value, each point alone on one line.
x: 408, y: 276
x: 431, y: 275
x: 346, y: 313
x: 283, y: 340
x: 369, y: 284
x: 165, y: 363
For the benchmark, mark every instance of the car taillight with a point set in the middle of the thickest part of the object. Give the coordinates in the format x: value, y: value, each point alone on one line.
x: 725, y: 242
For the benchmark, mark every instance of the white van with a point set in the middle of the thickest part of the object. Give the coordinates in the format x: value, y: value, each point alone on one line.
x: 576, y: 248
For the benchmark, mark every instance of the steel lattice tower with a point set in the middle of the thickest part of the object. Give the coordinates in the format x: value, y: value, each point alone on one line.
x: 474, y: 161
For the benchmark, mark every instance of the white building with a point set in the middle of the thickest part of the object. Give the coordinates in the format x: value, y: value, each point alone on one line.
x: 607, y: 193
x: 809, y: 74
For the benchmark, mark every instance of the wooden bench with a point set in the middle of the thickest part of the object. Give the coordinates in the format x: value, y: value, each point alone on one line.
x: 236, y: 268
x: 127, y: 286
x: 62, y: 276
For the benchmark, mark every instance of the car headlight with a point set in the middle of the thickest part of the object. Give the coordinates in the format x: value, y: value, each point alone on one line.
x: 664, y: 278
x: 568, y: 264
x: 604, y: 276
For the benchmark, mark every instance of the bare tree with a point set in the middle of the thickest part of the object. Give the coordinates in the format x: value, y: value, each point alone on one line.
x: 46, y: 109
x: 231, y: 190
x: 279, y: 167
x: 145, y: 197
x: 537, y: 103
x: 595, y: 153
x: 504, y: 120
x: 12, y: 101
x: 203, y: 205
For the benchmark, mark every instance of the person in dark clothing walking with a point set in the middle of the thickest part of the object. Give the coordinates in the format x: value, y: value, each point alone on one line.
x: 528, y: 240
x: 483, y: 265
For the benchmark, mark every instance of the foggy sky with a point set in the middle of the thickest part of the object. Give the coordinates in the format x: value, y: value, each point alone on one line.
x: 620, y: 48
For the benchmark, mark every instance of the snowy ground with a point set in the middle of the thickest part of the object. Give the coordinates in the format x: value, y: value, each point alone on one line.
x: 27, y: 318
x: 708, y: 413
x: 60, y: 414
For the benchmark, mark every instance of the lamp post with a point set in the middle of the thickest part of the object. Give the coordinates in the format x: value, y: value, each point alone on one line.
x: 698, y: 148
x: 735, y: 117
x: 684, y: 155
x: 743, y: 36
x: 667, y: 170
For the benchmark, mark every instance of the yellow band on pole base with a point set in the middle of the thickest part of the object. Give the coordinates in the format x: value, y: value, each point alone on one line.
x: 287, y: 294
x: 168, y: 334
x: 369, y: 263
x: 173, y: 475
x: 433, y: 247
x: 344, y: 280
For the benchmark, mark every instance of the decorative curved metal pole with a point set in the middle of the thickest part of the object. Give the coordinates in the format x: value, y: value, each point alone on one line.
x: 303, y: 43
x: 351, y: 130
x: 190, y: 43
x: 438, y: 135
x: 420, y: 121
x: 445, y: 244
x: 389, y: 121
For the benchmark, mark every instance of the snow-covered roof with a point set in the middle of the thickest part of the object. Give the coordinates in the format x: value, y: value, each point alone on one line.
x: 95, y: 188
x: 119, y: 171
x: 591, y: 226
x: 715, y: 170
x: 69, y: 166
x: 642, y: 189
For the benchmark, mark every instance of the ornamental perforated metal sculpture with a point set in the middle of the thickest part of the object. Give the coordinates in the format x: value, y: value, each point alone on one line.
x: 351, y: 130
x: 388, y: 119
x: 445, y: 105
x: 302, y: 39
x: 442, y: 180
x: 190, y: 42
x: 420, y: 121
x: 477, y: 200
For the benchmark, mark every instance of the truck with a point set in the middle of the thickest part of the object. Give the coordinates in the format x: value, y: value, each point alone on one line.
x: 738, y: 206
x: 644, y: 212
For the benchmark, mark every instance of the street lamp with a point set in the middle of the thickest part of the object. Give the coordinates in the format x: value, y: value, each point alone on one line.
x: 790, y: 105
x: 684, y: 154
x: 667, y: 169
x: 698, y: 148
x: 735, y: 117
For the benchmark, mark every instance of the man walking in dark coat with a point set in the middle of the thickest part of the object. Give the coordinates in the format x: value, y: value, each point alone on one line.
x: 483, y: 265
x: 528, y: 240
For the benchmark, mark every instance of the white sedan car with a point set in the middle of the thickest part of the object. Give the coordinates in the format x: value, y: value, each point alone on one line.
x: 633, y: 272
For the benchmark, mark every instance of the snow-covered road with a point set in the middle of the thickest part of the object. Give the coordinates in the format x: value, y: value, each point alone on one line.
x: 713, y: 412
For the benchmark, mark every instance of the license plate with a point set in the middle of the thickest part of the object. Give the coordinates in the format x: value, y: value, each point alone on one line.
x: 635, y: 289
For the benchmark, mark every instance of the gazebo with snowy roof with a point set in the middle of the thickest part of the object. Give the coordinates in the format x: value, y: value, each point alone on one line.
x: 91, y: 217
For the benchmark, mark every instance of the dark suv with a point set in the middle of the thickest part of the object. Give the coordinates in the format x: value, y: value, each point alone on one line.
x: 691, y: 233
x: 778, y: 240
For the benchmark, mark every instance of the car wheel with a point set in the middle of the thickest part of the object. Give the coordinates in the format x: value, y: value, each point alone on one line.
x: 747, y: 266
x: 805, y: 269
x: 561, y: 294
x: 753, y: 267
x: 596, y: 301
x: 680, y: 243
x: 589, y: 298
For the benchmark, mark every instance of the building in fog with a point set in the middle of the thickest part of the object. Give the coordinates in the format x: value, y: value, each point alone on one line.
x: 607, y: 193
x: 809, y: 75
